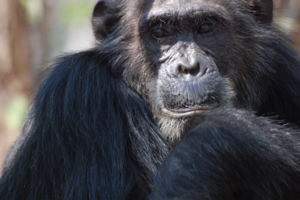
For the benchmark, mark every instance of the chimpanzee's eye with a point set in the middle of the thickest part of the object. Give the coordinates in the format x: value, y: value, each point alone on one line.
x: 161, y: 34
x: 206, y: 28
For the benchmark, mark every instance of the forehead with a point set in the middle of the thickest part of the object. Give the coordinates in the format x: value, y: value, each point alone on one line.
x: 176, y: 3
x: 181, y: 8
x: 160, y: 6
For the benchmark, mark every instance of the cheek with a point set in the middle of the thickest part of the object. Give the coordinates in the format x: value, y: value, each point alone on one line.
x: 155, y: 52
x: 217, y: 46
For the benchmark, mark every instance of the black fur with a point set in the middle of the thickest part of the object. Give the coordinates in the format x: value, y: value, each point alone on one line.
x: 232, y: 155
x: 87, y: 136
x: 94, y: 129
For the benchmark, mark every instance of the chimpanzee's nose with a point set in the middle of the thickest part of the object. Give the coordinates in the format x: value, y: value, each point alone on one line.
x: 184, y: 67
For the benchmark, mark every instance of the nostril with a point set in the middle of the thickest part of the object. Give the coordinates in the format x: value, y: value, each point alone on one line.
x: 182, y: 69
x: 193, y: 70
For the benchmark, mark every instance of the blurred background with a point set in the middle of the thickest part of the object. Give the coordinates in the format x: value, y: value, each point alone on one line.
x: 33, y: 32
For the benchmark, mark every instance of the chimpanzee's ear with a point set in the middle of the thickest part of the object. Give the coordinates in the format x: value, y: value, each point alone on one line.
x: 105, y: 16
x: 262, y: 10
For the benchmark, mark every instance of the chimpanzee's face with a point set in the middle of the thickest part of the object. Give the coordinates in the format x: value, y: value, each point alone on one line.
x: 187, y: 57
x: 187, y: 41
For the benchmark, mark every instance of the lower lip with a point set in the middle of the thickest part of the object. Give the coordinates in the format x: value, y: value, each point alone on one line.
x: 181, y: 114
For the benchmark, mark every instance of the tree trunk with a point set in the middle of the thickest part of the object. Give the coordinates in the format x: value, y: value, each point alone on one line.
x: 15, y: 79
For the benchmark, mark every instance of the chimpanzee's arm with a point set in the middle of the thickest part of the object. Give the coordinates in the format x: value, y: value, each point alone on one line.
x: 232, y: 155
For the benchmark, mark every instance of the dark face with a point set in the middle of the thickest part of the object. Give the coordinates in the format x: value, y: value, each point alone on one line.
x: 186, y: 41
x: 188, y: 57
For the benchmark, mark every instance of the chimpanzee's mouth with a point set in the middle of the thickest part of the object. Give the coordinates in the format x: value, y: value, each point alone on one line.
x: 182, y: 112
x: 187, y: 112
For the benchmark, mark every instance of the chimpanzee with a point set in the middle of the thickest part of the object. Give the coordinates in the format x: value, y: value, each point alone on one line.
x: 164, y: 71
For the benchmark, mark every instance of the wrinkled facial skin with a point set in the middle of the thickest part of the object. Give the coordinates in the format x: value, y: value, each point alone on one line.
x: 179, y: 61
x: 187, y: 42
